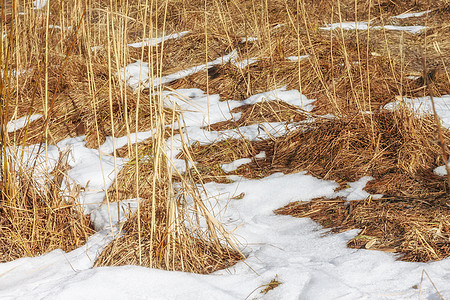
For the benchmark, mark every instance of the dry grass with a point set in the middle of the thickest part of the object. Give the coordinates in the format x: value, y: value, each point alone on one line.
x: 167, y: 232
x: 79, y: 93
x: 187, y: 252
x: 185, y: 52
x: 37, y: 218
x: 383, y: 145
x: 267, y: 111
x: 415, y: 228
x: 397, y: 148
x: 210, y: 158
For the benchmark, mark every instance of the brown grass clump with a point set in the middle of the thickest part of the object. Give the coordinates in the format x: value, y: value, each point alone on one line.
x: 210, y: 158
x: 342, y: 75
x: 77, y: 111
x: 397, y: 148
x: 182, y: 252
x: 383, y: 145
x: 412, y: 227
x: 188, y: 51
x: 230, y: 82
x: 36, y: 219
x: 267, y: 111
x: 172, y: 228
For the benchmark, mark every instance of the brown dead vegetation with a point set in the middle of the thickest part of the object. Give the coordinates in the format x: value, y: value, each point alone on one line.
x: 152, y: 237
x: 36, y: 219
x: 397, y: 148
x: 415, y: 228
x: 186, y: 252
x: 268, y: 111
x: 351, y: 74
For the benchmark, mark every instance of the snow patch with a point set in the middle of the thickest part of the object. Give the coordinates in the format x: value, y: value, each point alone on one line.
x: 261, y: 155
x: 155, y: 41
x: 355, y: 190
x: 17, y: 124
x: 365, y: 26
x: 411, y: 15
x: 38, y: 4
x: 423, y: 105
x: 232, y: 166
x: 297, y: 58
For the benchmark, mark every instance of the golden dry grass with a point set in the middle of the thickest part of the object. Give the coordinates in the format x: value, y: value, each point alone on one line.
x: 152, y: 237
x: 79, y: 92
x: 364, y: 144
x: 186, y: 252
x: 36, y: 219
x: 415, y: 228
x: 397, y: 148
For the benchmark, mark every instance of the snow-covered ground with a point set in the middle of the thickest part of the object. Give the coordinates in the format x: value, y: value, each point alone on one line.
x: 309, y: 264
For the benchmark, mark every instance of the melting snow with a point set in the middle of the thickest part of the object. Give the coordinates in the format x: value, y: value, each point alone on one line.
x: 232, y: 166
x: 38, y: 4
x: 155, y: 41
x: 310, y: 264
x: 365, y: 26
x: 297, y: 58
x: 423, y: 105
x: 411, y: 15
x: 14, y: 125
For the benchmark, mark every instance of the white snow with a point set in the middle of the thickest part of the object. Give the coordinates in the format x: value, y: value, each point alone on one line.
x: 292, y: 97
x: 261, y: 155
x: 249, y: 39
x: 137, y: 74
x: 365, y: 26
x: 297, y: 58
x: 309, y: 263
x: 155, y: 41
x: 347, y: 26
x: 38, y: 4
x: 232, y: 166
x: 149, y: 42
x: 13, y: 72
x: 441, y: 171
x: 16, y: 124
x: 410, y: 29
x: 423, y: 105
x: 355, y: 190
x: 109, y: 212
x: 411, y: 15
x: 59, y: 27
x: 245, y: 62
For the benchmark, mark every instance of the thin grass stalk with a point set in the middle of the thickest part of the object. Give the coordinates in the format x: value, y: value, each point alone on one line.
x: 386, y: 44
x: 108, y: 16
x: 206, y: 59
x: 5, y: 82
x: 438, y: 122
x: 348, y: 63
x: 364, y: 104
x: 369, y: 95
x: 119, y: 44
x: 137, y: 178
x: 315, y: 61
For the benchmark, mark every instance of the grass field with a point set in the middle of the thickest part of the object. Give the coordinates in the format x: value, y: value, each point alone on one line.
x: 117, y: 116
